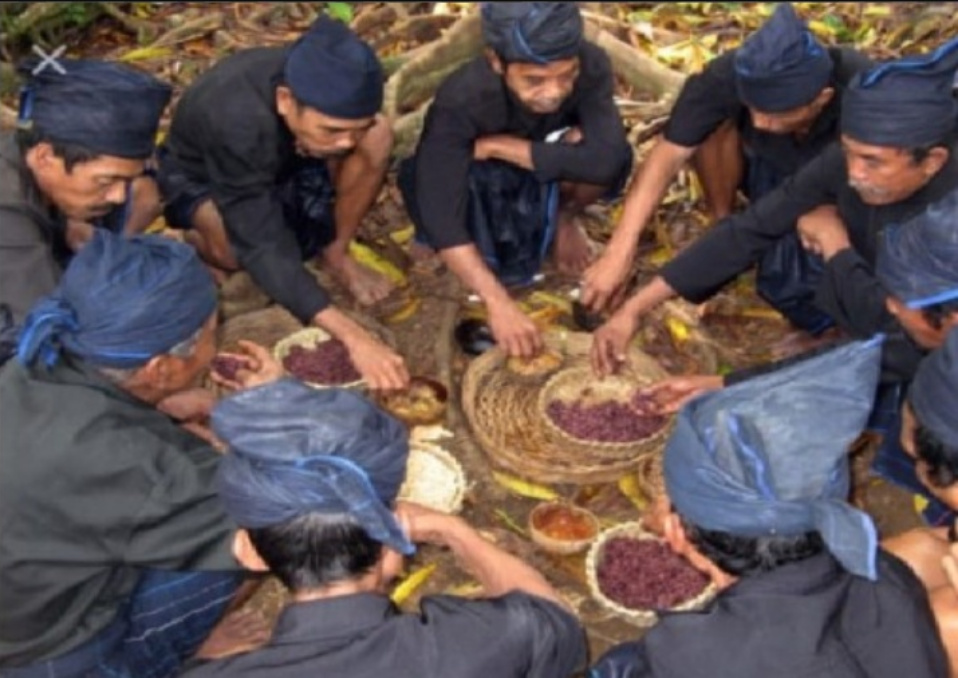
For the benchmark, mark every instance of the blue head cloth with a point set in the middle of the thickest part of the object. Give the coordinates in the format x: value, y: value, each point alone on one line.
x: 906, y: 103
x: 330, y: 69
x: 918, y: 259
x: 768, y: 456
x: 120, y: 302
x: 296, y: 450
x: 933, y: 394
x: 532, y: 32
x: 781, y: 66
x: 105, y: 107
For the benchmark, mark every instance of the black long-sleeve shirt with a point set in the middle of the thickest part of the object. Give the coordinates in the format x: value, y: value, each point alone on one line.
x: 226, y: 134
x: 475, y: 102
x: 849, y: 292
x: 709, y: 98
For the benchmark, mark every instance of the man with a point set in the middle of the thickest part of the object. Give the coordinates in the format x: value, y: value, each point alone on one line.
x: 916, y: 268
x: 532, y: 118
x: 758, y: 477
x: 896, y: 157
x: 311, y: 476
x: 77, y: 159
x: 274, y: 156
x: 753, y: 117
x: 930, y: 437
x: 115, y: 553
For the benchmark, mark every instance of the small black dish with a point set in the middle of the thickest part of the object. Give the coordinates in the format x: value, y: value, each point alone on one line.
x: 584, y: 319
x: 474, y: 336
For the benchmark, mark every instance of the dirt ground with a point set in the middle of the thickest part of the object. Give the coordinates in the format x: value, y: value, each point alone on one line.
x: 737, y: 322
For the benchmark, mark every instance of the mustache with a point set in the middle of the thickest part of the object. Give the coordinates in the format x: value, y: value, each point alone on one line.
x: 865, y: 188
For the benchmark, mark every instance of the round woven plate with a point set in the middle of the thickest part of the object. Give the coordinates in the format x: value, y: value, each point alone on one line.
x: 308, y: 337
x: 638, y: 617
x: 503, y: 413
x: 434, y: 479
x: 581, y: 384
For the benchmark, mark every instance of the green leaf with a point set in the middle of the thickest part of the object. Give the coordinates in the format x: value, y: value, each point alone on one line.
x: 343, y: 11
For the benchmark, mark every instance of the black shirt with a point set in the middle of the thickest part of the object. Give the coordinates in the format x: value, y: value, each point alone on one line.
x: 849, y: 291
x: 94, y: 486
x: 711, y: 97
x: 364, y: 635
x: 807, y: 619
x: 227, y: 134
x: 475, y: 102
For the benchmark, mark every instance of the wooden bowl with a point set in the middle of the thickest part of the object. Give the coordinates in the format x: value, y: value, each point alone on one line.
x: 562, y: 528
x: 422, y: 404
x: 309, y: 337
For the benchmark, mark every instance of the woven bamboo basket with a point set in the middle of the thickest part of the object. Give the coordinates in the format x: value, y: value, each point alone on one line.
x: 309, y: 337
x: 635, y: 616
x: 503, y: 414
x: 434, y: 479
x: 581, y: 384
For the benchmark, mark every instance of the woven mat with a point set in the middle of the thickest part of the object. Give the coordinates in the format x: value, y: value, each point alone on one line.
x: 502, y: 411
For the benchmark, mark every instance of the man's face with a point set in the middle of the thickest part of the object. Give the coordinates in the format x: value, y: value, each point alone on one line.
x: 795, y: 121
x: 318, y: 135
x: 186, y: 372
x: 87, y: 191
x: 884, y: 175
x: 926, y: 334
x: 540, y: 89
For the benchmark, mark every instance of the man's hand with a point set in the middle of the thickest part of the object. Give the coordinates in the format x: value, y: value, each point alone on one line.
x: 514, y: 332
x: 672, y: 393
x: 257, y: 366
x: 381, y: 367
x: 603, y: 280
x: 192, y: 405
x: 823, y: 232
x: 424, y: 525
x: 610, y: 342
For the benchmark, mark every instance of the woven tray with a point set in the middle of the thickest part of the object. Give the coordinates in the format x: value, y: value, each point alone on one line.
x: 308, y: 337
x: 637, y: 617
x: 434, y: 478
x: 502, y: 410
x: 579, y: 383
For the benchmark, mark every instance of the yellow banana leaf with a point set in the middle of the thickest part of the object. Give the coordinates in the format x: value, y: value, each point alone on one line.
x: 405, y: 312
x: 524, y: 488
x: 146, y: 53
x: 410, y: 584
x: 629, y: 486
x: 372, y: 260
x: 678, y: 329
x: 403, y: 235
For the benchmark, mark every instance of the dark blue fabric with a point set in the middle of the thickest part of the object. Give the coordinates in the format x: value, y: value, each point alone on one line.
x: 781, y: 66
x: 906, y: 103
x: 121, y: 302
x: 768, y: 456
x: 105, y: 107
x: 168, y: 617
x: 918, y: 259
x: 330, y: 69
x: 787, y: 274
x: 296, y: 450
x: 512, y: 216
x: 532, y: 32
x: 934, y: 391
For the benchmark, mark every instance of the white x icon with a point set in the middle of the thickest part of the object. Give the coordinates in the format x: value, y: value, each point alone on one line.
x: 49, y: 60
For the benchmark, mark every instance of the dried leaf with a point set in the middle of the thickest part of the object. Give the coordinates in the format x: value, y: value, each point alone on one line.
x: 508, y: 521
x: 146, y: 53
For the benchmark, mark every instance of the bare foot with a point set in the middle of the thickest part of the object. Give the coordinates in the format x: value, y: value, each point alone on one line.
x: 237, y: 632
x: 366, y: 285
x: 571, y: 249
